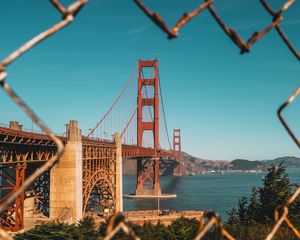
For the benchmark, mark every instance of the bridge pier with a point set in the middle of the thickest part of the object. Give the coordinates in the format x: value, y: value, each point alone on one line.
x: 148, y: 169
x: 66, y: 179
x: 178, y: 170
x: 119, y: 182
x: 148, y: 177
x: 11, y: 179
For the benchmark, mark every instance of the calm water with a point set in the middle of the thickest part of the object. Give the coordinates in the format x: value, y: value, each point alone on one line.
x: 210, y: 191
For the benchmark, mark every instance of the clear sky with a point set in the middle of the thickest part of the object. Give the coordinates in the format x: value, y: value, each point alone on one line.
x: 225, y: 103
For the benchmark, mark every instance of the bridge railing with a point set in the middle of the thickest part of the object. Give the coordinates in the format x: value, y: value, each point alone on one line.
x: 98, y: 139
x: 32, y: 130
x: 3, y: 125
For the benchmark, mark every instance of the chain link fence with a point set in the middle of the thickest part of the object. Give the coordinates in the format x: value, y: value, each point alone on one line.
x: 119, y: 223
x: 243, y: 45
x: 67, y: 17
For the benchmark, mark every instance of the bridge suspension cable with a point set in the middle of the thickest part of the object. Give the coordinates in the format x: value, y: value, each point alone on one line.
x: 148, y: 140
x: 134, y: 113
x: 164, y: 113
x: 113, y: 104
x: 122, y: 114
x: 146, y: 94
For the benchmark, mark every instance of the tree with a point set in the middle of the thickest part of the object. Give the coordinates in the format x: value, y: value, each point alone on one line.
x: 243, y: 210
x: 87, y: 228
x: 260, y: 207
x: 51, y: 231
x: 102, y: 229
x: 137, y: 229
x: 275, y: 191
x: 147, y: 231
x: 233, y: 216
x: 157, y: 231
x: 254, y: 206
x: 184, y: 228
x: 239, y: 214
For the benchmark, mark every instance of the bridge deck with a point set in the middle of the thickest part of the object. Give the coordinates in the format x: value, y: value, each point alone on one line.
x: 23, y: 146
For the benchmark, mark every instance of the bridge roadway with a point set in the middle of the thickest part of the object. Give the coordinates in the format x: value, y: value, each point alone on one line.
x: 42, y: 147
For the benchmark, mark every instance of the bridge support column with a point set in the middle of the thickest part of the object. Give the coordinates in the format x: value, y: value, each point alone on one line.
x: 148, y: 169
x: 156, y: 189
x: 66, y: 179
x: 119, y: 174
x: 148, y: 177
x: 179, y: 166
x: 178, y: 169
x: 11, y: 179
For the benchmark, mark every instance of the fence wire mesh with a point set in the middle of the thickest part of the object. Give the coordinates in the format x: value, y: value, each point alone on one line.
x: 119, y: 223
x: 243, y: 45
x: 67, y: 17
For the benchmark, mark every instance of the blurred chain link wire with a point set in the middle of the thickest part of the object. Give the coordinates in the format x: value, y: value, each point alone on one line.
x: 243, y: 45
x: 119, y: 223
x: 67, y: 17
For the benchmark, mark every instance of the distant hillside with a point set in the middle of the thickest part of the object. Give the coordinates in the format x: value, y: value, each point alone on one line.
x: 199, y: 165
x: 287, y: 161
x: 242, y: 164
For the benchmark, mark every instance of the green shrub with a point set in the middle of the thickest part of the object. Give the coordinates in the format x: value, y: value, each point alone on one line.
x: 184, y: 228
x: 87, y: 228
x: 51, y: 231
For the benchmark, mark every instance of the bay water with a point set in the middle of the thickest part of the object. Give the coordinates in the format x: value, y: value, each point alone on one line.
x: 219, y: 192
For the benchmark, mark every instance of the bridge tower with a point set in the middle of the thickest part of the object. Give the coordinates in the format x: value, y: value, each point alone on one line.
x: 66, y: 178
x: 179, y: 167
x: 148, y: 169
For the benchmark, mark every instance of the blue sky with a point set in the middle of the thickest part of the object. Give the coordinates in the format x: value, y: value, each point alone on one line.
x: 225, y: 103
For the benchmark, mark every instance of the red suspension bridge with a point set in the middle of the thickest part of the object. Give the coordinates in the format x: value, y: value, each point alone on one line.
x: 88, y: 176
